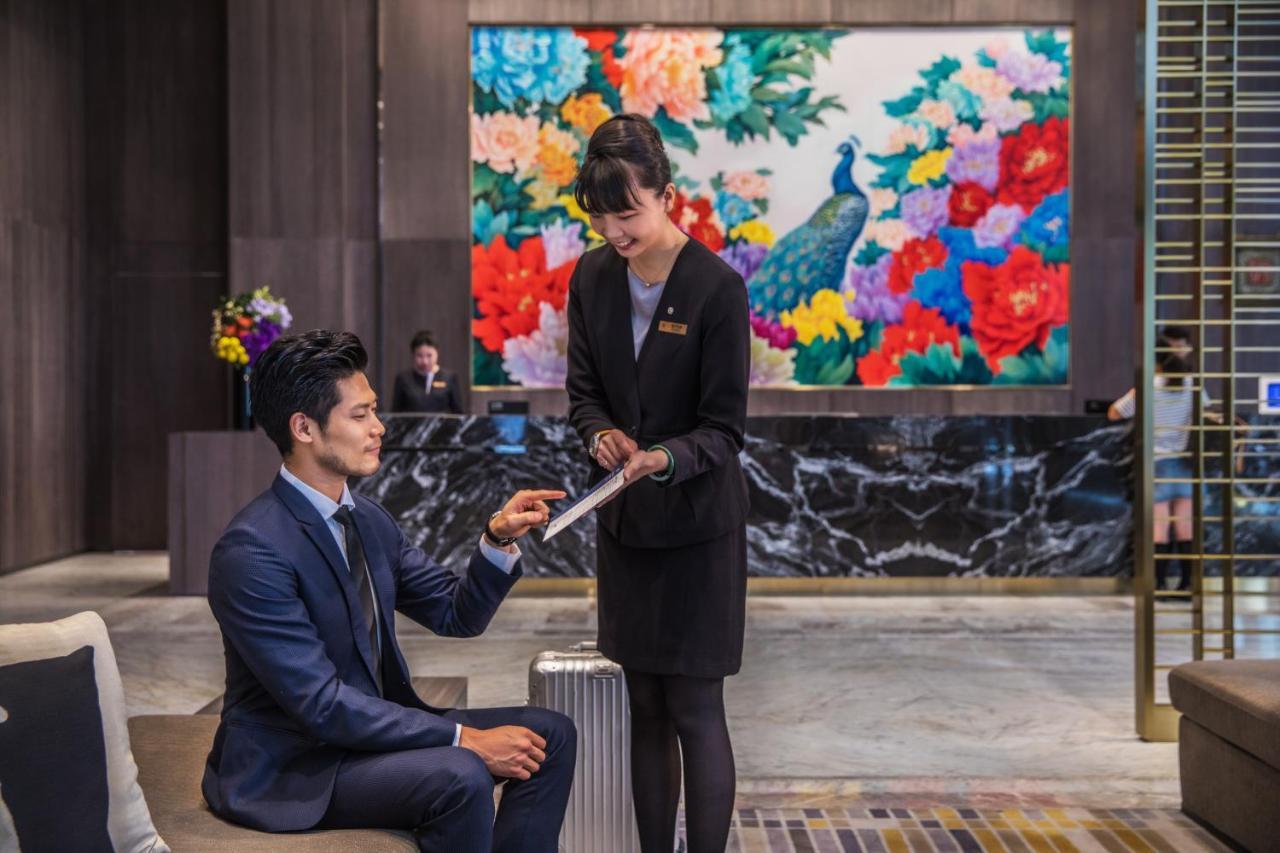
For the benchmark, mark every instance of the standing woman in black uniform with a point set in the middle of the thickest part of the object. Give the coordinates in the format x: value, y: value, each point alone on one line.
x: 659, y: 359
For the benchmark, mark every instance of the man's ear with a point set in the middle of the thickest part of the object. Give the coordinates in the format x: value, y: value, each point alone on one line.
x: 301, y: 428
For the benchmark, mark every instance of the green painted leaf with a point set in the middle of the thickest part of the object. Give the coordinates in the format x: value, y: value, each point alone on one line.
x: 674, y: 132
x: 905, y: 105
x: 939, y: 71
x: 764, y: 95
x: 870, y: 252
x: 755, y: 119
x: 486, y: 367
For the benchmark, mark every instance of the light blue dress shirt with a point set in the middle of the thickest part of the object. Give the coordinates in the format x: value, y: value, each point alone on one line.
x: 328, y: 509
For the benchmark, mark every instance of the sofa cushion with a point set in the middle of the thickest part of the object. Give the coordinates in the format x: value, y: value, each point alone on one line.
x: 1237, y: 700
x: 171, y: 751
x: 66, y: 769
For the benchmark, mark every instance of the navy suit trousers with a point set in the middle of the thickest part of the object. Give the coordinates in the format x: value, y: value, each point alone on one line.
x: 444, y: 795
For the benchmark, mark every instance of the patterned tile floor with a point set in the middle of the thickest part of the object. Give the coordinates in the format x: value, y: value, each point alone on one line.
x: 959, y: 829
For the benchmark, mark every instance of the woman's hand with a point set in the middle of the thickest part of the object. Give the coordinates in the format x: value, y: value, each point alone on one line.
x: 525, y: 510
x: 645, y: 462
x: 614, y: 448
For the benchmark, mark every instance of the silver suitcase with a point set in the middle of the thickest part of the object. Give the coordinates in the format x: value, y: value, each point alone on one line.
x: 590, y: 689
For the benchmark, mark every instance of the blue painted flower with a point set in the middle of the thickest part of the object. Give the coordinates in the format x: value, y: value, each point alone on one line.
x: 733, y: 209
x: 961, y: 247
x: 736, y: 79
x: 535, y: 63
x: 485, y: 226
x: 966, y: 104
x: 1047, y: 229
x: 943, y: 289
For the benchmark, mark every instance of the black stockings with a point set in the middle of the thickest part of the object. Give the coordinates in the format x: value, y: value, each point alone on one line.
x: 673, y: 715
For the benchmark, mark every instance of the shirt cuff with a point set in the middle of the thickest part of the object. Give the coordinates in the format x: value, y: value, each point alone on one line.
x: 457, y: 734
x: 506, y: 562
x: 671, y: 465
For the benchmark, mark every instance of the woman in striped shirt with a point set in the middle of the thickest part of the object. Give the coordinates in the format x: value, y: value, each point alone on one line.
x: 1173, y: 397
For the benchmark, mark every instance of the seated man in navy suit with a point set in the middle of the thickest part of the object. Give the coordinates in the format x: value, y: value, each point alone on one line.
x: 320, y: 727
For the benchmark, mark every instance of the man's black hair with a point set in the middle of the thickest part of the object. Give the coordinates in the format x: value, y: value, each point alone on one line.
x: 300, y: 373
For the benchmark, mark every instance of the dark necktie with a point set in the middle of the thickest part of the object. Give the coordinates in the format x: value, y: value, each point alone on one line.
x: 360, y: 574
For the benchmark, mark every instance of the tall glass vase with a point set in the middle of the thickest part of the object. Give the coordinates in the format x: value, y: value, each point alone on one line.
x: 241, y: 405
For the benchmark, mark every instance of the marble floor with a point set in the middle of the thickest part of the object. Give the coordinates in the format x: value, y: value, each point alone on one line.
x: 1007, y: 700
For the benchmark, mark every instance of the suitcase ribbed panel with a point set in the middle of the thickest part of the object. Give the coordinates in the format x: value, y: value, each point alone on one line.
x: 591, y: 690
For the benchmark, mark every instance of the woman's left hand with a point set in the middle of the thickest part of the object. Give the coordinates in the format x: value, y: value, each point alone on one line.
x: 643, y: 463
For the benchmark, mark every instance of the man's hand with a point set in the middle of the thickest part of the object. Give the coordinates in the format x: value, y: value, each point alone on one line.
x: 614, y: 448
x: 512, y: 752
x: 525, y: 510
x: 643, y: 463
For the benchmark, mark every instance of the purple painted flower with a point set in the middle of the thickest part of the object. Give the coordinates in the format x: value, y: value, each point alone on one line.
x: 872, y: 298
x: 977, y: 161
x: 925, y: 210
x: 562, y: 242
x: 997, y: 228
x: 1030, y: 72
x: 746, y: 258
x: 777, y: 336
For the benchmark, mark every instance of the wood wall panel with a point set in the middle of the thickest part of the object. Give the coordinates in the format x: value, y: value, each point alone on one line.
x: 156, y: 176
x: 43, y: 416
x: 303, y: 188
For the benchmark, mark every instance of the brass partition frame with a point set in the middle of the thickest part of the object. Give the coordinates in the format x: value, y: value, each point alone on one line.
x: 1212, y: 161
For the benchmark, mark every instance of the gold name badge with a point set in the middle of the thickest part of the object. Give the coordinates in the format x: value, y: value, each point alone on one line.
x: 673, y: 328
x: 439, y: 384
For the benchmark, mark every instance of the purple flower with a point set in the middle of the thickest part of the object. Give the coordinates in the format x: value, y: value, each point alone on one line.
x: 998, y: 226
x: 562, y: 242
x: 257, y: 341
x: 746, y: 258
x: 977, y: 161
x: 872, y: 298
x: 925, y: 210
x: 1030, y: 72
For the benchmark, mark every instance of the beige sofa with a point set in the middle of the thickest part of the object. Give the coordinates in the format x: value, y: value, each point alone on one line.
x: 1229, y: 747
x: 170, y: 751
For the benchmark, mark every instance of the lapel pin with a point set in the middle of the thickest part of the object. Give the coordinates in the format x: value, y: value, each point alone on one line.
x: 671, y: 310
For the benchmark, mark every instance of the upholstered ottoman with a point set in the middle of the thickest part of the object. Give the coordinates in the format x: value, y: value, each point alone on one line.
x: 1229, y: 747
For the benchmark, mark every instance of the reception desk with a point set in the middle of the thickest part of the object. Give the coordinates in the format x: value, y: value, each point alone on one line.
x: 831, y: 496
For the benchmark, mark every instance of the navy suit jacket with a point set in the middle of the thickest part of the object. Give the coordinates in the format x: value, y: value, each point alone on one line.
x: 300, y: 687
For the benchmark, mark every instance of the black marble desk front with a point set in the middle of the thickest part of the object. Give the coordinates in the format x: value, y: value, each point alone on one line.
x: 831, y: 496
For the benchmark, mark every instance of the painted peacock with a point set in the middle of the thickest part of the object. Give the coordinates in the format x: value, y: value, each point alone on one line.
x: 813, y: 256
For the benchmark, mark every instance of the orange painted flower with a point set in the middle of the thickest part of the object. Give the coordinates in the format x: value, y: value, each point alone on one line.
x: 508, y: 286
x: 915, y: 256
x: 556, y: 160
x: 1033, y: 163
x: 585, y: 113
x: 664, y: 68
x: 1015, y: 304
x: 602, y: 42
x: 875, y: 369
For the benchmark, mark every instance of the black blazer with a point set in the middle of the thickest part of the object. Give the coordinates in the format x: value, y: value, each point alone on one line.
x: 687, y: 391
x: 411, y: 394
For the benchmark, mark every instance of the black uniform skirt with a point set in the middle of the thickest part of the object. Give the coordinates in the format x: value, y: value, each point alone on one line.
x: 673, y: 611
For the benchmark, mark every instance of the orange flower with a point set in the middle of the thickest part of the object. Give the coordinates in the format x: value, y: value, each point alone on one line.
x: 920, y: 329
x: 666, y: 69
x: 586, y: 113
x: 507, y: 286
x: 602, y: 41
x: 555, y: 155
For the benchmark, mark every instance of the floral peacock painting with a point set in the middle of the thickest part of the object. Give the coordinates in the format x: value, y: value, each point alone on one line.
x: 897, y: 201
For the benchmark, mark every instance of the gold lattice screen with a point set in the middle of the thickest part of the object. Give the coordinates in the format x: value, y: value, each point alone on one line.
x: 1212, y: 267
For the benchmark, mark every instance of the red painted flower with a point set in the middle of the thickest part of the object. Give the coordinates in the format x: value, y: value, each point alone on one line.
x: 875, y: 369
x: 969, y: 202
x: 697, y: 219
x: 1033, y: 163
x: 915, y: 256
x: 1015, y: 304
x: 601, y: 41
x: 920, y: 329
x: 508, y: 285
